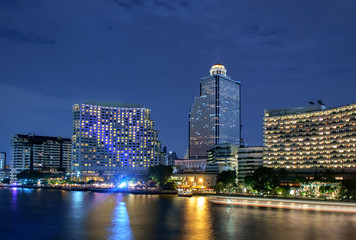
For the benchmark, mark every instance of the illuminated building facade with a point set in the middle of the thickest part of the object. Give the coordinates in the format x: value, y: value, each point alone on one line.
x: 42, y: 153
x: 222, y: 157
x: 215, y: 116
x: 229, y: 157
x: 2, y: 160
x: 113, y: 138
x: 249, y: 159
x: 311, y: 139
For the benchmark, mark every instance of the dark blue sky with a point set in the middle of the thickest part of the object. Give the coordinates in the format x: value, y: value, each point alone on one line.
x: 154, y: 52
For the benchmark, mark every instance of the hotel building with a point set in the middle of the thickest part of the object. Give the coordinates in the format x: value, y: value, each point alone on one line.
x: 215, y: 116
x: 42, y: 153
x: 311, y: 139
x: 113, y: 138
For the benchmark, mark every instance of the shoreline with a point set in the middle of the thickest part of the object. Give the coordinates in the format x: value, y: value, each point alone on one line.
x: 93, y: 189
x: 175, y: 192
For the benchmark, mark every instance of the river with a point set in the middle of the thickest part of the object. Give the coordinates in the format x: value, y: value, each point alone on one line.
x: 55, y: 214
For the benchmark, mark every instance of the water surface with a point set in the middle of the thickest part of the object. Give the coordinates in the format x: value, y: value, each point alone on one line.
x: 54, y: 214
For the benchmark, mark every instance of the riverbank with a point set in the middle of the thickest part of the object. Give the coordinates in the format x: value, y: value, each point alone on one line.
x: 93, y: 189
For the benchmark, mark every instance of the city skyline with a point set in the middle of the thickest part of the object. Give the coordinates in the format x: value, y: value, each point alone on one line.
x: 116, y: 52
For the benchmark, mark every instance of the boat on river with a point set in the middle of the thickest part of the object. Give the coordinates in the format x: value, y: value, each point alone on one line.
x: 185, y: 193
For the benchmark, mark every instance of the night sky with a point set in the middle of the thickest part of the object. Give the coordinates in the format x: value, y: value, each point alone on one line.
x: 154, y: 52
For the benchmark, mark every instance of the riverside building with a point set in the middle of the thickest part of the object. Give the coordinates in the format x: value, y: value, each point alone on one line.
x: 113, y: 138
x: 311, y: 139
x: 215, y: 116
x: 2, y: 160
x: 229, y: 157
x: 42, y: 153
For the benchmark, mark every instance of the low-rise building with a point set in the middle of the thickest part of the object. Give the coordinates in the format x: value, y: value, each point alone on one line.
x: 190, y: 165
x: 229, y: 157
x: 249, y: 159
x: 195, y: 180
x: 42, y: 153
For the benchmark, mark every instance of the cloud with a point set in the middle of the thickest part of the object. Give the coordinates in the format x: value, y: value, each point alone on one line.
x: 129, y: 3
x: 22, y: 37
x: 164, y: 5
x: 260, y: 30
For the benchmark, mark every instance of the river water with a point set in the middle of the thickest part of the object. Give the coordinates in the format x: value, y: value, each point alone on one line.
x: 54, y: 214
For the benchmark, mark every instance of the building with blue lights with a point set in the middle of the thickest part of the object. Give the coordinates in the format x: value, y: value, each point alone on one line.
x: 111, y: 138
x: 215, y: 116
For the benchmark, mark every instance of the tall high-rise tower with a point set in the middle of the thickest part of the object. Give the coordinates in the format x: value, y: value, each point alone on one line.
x: 215, y: 116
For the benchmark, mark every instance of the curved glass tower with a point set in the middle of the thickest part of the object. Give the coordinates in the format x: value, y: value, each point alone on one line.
x: 215, y: 116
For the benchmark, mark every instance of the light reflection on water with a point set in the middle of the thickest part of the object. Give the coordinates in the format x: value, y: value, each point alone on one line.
x: 120, y: 228
x: 55, y: 214
x: 197, y: 219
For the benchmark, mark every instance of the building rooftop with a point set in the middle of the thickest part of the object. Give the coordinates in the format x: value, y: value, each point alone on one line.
x: 290, y: 111
x: 218, y: 69
x: 41, y: 138
x: 108, y: 104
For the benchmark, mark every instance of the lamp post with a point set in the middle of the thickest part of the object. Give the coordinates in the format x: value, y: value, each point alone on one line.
x: 201, y: 182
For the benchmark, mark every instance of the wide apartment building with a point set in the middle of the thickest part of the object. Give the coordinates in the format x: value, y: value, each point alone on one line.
x: 113, y: 138
x: 311, y: 139
x: 42, y: 153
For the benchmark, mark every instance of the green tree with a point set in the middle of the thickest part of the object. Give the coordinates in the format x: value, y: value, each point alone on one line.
x: 249, y: 180
x: 219, y: 187
x: 227, y: 177
x: 91, y: 181
x: 6, y: 181
x: 32, y: 175
x: 265, y: 179
x: 160, y: 173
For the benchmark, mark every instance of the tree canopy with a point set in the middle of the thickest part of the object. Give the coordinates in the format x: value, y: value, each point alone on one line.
x: 227, y: 177
x: 264, y: 179
x: 160, y: 173
x: 33, y: 175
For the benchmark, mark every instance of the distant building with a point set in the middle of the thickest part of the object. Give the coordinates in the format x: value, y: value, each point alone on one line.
x: 169, y: 156
x: 172, y: 156
x: 43, y: 153
x: 222, y: 157
x: 311, y: 139
x: 215, y: 116
x: 190, y: 165
x: 249, y: 159
x: 2, y: 160
x: 113, y: 138
x: 4, y: 172
x: 229, y: 157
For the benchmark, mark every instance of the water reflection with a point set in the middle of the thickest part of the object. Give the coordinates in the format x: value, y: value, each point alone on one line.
x: 120, y: 228
x: 52, y: 214
x: 197, y: 219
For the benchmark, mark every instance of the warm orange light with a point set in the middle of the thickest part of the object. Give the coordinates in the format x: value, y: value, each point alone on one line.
x: 192, y: 179
x: 200, y: 180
